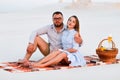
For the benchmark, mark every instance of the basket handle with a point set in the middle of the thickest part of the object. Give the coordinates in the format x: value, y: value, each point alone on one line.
x: 100, y: 44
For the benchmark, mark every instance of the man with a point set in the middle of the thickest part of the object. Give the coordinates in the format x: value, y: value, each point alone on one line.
x: 54, y: 33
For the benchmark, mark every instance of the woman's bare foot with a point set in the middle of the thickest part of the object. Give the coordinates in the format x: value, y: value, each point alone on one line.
x: 36, y: 64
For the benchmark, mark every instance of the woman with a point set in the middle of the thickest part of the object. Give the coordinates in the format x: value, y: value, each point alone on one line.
x: 70, y: 49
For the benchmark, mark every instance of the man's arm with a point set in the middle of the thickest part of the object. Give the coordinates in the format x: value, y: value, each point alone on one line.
x: 38, y: 32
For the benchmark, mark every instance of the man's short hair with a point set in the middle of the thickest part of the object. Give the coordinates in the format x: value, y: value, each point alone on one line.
x: 57, y: 12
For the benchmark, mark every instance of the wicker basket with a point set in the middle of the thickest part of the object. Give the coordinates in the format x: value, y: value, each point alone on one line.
x: 107, y: 55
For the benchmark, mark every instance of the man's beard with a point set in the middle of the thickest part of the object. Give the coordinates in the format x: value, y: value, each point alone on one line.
x: 58, y: 25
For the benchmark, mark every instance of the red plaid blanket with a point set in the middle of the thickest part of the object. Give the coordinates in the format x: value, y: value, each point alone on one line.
x: 91, y: 60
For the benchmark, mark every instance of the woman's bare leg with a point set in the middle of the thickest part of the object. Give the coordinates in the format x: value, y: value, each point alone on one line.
x: 49, y: 57
x: 53, y: 61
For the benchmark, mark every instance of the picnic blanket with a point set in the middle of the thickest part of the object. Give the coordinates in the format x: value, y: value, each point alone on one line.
x: 15, y: 67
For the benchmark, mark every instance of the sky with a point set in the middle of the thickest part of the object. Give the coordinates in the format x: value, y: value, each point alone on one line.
x: 7, y: 5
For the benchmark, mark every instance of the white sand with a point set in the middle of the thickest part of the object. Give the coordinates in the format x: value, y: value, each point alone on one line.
x: 97, y: 22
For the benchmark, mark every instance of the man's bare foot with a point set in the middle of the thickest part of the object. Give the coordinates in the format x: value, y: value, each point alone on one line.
x: 23, y: 61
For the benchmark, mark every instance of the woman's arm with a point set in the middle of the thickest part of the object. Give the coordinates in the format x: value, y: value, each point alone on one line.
x: 71, y: 50
x: 78, y: 38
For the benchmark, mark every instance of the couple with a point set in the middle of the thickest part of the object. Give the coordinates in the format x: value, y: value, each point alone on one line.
x: 63, y: 44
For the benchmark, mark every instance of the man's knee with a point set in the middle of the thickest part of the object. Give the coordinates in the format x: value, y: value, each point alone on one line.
x: 30, y: 49
x: 37, y: 37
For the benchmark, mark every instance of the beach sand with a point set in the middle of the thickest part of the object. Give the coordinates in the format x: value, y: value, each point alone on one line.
x: 97, y: 21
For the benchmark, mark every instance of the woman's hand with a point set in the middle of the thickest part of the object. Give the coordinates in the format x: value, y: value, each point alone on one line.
x: 78, y: 38
x: 71, y: 50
